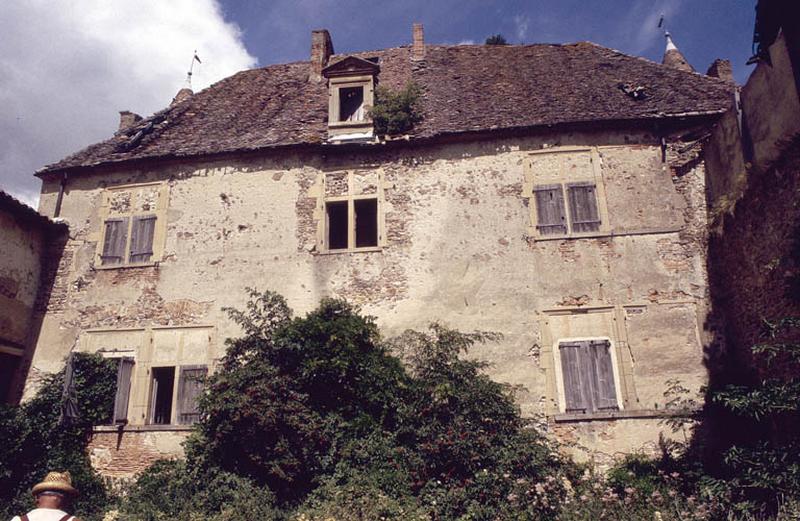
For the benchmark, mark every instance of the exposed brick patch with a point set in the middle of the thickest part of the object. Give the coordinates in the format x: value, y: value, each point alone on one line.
x: 576, y: 301
x: 124, y: 455
x: 304, y: 209
x: 568, y: 252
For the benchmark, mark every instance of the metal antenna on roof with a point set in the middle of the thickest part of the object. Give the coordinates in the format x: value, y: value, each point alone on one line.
x: 191, y: 68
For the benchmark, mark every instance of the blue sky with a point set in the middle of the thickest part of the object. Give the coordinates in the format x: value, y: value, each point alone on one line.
x: 278, y: 30
x: 62, y: 86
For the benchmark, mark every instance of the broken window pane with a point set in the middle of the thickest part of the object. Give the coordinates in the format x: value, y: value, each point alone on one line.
x: 366, y: 211
x: 337, y: 224
x: 163, y: 381
x: 351, y: 104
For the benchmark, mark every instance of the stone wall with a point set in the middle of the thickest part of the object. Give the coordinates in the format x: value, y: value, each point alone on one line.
x: 458, y: 245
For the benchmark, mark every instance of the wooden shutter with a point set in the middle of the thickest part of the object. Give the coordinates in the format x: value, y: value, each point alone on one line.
x: 605, y: 394
x: 550, y: 216
x: 583, y: 212
x: 190, y: 386
x: 574, y: 393
x: 142, y: 231
x: 124, y: 370
x: 114, y: 240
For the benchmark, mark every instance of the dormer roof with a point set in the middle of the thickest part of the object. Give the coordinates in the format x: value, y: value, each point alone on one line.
x: 351, y: 66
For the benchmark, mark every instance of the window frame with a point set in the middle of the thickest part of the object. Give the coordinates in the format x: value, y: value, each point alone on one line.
x: 343, y: 130
x: 175, y: 402
x: 158, y: 214
x: 350, y: 198
x: 536, y: 181
x: 560, y: 383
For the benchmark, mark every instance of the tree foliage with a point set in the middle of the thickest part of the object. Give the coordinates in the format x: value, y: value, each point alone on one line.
x: 35, y: 441
x: 496, y: 39
x: 398, y: 112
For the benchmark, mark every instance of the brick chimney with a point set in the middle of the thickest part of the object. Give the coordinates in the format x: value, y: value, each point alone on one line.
x: 321, y: 50
x: 418, y: 43
x: 721, y: 69
x: 127, y: 119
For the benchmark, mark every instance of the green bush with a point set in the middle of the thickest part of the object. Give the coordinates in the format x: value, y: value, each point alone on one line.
x: 36, y: 442
x: 496, y: 39
x: 396, y: 112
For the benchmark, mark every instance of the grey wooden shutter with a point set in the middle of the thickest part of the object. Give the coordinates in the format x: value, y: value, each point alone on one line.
x: 574, y: 392
x: 124, y: 370
x: 583, y: 212
x: 190, y: 386
x: 550, y: 216
x: 604, y: 392
x: 115, y: 238
x: 142, y: 231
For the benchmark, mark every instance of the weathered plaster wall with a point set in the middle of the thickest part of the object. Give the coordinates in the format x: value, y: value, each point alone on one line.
x: 457, y: 249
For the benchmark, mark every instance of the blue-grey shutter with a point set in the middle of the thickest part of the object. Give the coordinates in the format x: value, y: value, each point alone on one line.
x: 142, y: 231
x: 583, y: 212
x: 114, y: 240
x: 550, y: 216
x: 124, y: 370
x: 571, y: 369
x: 190, y: 386
x: 604, y: 391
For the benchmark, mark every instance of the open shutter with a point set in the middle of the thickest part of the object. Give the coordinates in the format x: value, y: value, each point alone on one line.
x: 190, y: 386
x: 142, y: 231
x: 114, y: 240
x: 583, y: 212
x: 574, y: 393
x: 550, y: 216
x: 124, y: 370
x: 605, y: 394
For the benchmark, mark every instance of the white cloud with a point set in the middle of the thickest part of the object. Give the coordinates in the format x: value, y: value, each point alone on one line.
x: 643, y: 17
x: 521, y: 24
x: 68, y: 67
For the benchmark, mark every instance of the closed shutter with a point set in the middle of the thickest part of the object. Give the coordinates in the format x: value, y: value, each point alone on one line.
x: 583, y: 212
x: 574, y: 393
x: 605, y: 394
x: 550, y: 216
x: 114, y: 240
x: 142, y: 231
x: 190, y: 386
x: 124, y: 370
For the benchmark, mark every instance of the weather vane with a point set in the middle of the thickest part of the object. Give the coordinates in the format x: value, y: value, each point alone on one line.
x: 191, y: 68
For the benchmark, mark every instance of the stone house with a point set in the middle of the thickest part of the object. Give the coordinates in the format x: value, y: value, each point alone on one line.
x: 551, y: 193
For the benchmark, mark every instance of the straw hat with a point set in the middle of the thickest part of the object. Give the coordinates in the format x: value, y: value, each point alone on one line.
x: 56, y: 482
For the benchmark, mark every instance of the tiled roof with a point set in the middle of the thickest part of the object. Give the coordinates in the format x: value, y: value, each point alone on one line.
x: 466, y: 88
x: 25, y: 213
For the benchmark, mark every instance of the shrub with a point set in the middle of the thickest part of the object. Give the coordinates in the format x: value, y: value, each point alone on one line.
x: 35, y: 441
x: 496, y: 39
x: 396, y: 112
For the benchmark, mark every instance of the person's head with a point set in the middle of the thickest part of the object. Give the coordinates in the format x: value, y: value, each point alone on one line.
x: 55, y: 491
x: 51, y: 499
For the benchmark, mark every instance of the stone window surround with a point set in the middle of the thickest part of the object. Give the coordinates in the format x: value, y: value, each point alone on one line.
x: 621, y: 357
x: 533, y: 179
x: 159, y: 233
x: 321, y: 212
x: 344, y: 129
x: 139, y: 398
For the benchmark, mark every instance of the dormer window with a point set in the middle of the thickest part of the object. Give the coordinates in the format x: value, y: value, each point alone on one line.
x: 351, y: 85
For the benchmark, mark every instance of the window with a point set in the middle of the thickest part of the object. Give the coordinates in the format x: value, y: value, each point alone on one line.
x: 588, y: 376
x: 552, y: 209
x: 167, y: 394
x: 351, y: 104
x: 132, y: 230
x: 118, y: 249
x: 350, y: 210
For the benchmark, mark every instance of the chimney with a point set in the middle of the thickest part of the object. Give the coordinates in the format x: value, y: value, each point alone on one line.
x: 184, y: 93
x: 127, y: 119
x: 721, y: 69
x: 418, y: 45
x: 321, y: 50
x: 674, y: 58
